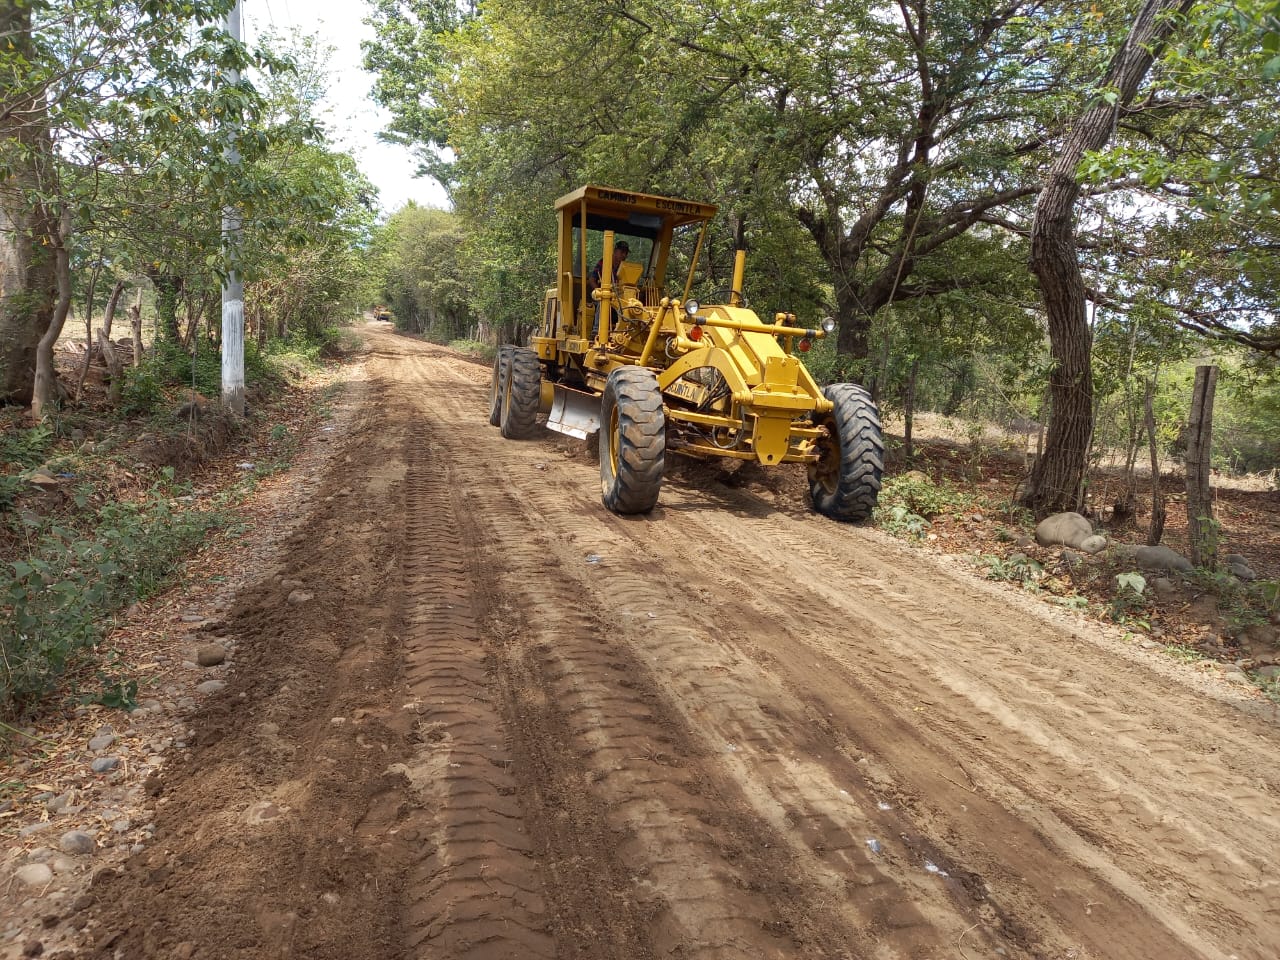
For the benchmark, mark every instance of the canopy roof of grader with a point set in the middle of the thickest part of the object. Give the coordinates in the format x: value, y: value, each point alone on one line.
x: 639, y: 214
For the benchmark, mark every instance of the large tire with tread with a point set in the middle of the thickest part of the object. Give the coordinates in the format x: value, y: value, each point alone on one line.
x: 519, y: 415
x: 845, y: 482
x: 633, y: 440
x: 498, y: 386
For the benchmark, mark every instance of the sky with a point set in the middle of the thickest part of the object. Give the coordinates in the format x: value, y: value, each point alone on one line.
x: 354, y: 119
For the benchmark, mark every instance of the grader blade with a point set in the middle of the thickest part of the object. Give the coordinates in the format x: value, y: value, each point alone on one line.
x: 573, y: 413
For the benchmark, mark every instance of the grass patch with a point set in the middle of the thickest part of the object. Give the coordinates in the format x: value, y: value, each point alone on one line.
x: 171, y: 367
x: 924, y: 497
x: 474, y: 348
x: 57, y: 599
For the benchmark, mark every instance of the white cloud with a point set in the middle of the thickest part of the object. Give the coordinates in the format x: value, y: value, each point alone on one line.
x: 354, y: 119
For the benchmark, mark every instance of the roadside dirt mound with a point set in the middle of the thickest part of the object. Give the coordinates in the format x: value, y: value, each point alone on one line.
x: 476, y: 716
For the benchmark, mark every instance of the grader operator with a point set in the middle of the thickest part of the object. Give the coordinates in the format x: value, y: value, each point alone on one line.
x: 655, y: 373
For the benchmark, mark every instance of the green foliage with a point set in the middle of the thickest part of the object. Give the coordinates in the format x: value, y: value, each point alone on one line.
x: 170, y: 367
x: 484, y: 351
x: 1184, y: 653
x: 901, y: 522
x: 56, y: 599
x: 143, y: 391
x: 923, y: 496
x: 1128, y: 603
x: 1241, y: 603
x: 1016, y: 568
x: 428, y: 273
x: 25, y: 448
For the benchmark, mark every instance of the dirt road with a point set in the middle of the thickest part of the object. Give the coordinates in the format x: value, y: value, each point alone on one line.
x: 507, y: 724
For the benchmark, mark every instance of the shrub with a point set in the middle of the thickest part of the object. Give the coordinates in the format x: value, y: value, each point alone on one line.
x: 922, y: 496
x: 55, y: 600
x: 474, y: 348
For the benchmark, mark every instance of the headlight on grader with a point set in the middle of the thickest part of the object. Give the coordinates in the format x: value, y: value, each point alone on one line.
x: 828, y: 325
x: 691, y: 307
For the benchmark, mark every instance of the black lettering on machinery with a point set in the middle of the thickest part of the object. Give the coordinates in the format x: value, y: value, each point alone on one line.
x: 679, y: 206
x: 618, y: 196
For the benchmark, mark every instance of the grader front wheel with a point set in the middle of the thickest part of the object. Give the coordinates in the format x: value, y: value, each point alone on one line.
x: 519, y: 414
x: 498, y: 386
x: 633, y: 440
x: 845, y: 481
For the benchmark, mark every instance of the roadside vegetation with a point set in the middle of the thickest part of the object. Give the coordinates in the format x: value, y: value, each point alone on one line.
x: 111, y: 358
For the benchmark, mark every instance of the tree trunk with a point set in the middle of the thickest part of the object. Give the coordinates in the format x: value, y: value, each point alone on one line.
x: 109, y: 313
x: 26, y: 254
x: 909, y: 407
x: 88, y: 328
x: 1156, y: 532
x: 45, y: 376
x: 115, y: 369
x: 104, y: 335
x: 168, y: 289
x: 135, y: 328
x: 1202, y: 532
x: 1058, y: 475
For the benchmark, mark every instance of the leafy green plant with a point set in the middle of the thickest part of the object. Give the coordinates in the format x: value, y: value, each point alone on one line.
x: 1129, y: 603
x: 120, y: 693
x: 10, y: 487
x: 56, y: 599
x: 1184, y: 653
x: 1016, y: 568
x: 25, y: 448
x: 901, y: 522
x: 143, y: 390
x: 474, y: 348
x: 1241, y: 604
x: 922, y: 496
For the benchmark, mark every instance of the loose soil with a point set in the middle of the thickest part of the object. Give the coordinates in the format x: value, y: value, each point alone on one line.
x: 471, y: 714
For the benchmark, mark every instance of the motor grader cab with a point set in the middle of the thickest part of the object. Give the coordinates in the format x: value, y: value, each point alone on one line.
x: 654, y: 372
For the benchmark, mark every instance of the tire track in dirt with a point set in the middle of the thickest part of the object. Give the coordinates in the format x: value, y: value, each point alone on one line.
x: 888, y: 910
x: 1061, y: 831
x: 476, y: 890
x: 904, y: 644
x: 253, y: 856
x: 709, y: 879
x: 1134, y: 806
x: 474, y: 743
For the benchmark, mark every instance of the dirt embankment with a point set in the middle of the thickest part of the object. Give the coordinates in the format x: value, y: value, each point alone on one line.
x: 507, y: 724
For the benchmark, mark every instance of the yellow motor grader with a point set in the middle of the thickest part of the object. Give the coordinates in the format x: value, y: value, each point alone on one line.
x: 654, y: 372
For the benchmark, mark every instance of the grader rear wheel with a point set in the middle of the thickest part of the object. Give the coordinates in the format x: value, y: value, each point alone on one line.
x: 498, y: 386
x: 633, y: 441
x: 845, y: 481
x: 520, y: 400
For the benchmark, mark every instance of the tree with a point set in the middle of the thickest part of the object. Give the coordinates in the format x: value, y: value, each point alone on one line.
x: 428, y: 279
x: 26, y: 259
x: 882, y: 140
x: 1055, y: 482
x: 136, y: 103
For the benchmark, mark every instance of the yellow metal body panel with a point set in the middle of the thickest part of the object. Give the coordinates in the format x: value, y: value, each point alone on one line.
x: 756, y: 401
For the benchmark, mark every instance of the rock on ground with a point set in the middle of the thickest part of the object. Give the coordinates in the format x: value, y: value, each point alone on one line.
x: 211, y: 654
x: 1069, y: 530
x: 34, y: 874
x: 77, y: 843
x: 1162, y: 558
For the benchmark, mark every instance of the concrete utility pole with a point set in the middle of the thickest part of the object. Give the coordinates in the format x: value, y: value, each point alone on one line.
x: 232, y: 286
